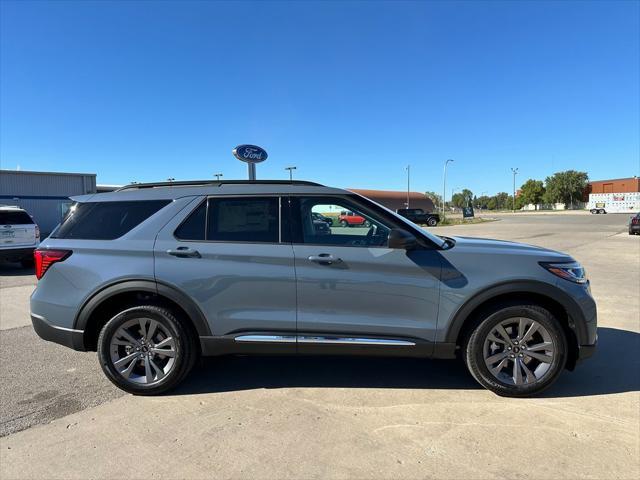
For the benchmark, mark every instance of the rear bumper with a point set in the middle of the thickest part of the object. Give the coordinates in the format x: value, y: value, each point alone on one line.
x: 64, y: 336
x: 16, y: 254
x: 634, y: 228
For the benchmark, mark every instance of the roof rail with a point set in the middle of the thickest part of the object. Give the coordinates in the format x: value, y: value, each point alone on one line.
x: 217, y: 183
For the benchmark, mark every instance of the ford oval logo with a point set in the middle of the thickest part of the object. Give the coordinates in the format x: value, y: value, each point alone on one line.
x: 250, y: 153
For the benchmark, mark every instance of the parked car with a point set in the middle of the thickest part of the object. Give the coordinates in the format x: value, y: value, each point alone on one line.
x: 351, y: 219
x: 19, y: 235
x: 634, y: 224
x: 319, y: 216
x: 419, y: 216
x: 321, y: 227
x: 153, y: 276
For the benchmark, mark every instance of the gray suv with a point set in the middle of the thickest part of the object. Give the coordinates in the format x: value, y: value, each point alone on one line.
x: 152, y: 276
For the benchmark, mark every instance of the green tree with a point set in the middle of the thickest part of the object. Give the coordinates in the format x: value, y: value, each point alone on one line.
x: 531, y: 191
x: 503, y: 201
x: 435, y: 198
x: 482, y: 202
x: 566, y: 187
x: 462, y: 199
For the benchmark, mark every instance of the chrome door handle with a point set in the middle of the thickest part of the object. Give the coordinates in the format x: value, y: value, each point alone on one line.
x: 184, y: 252
x: 324, y: 259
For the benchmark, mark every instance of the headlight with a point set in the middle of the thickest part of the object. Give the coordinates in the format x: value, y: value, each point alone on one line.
x: 572, y: 271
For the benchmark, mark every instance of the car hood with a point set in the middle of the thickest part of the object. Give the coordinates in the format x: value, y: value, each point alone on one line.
x: 489, y: 245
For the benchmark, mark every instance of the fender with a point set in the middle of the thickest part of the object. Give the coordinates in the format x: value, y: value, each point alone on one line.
x: 193, y: 311
x: 577, y: 322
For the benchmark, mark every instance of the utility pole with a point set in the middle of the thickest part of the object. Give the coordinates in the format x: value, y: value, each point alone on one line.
x: 291, y: 169
x: 217, y: 175
x: 444, y: 186
x: 515, y: 172
x: 408, y: 183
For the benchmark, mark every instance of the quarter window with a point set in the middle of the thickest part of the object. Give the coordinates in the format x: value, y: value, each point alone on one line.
x: 105, y: 220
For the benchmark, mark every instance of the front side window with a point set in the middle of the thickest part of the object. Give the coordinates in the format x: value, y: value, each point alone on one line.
x: 336, y: 222
x: 105, y: 220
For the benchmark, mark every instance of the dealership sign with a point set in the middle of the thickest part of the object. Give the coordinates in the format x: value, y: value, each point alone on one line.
x: 250, y: 153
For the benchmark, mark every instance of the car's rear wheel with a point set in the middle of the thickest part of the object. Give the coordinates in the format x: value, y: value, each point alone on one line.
x: 432, y: 222
x: 516, y: 350
x: 344, y: 223
x: 146, y: 350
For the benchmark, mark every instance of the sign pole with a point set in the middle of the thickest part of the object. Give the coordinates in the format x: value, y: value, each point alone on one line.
x: 250, y: 154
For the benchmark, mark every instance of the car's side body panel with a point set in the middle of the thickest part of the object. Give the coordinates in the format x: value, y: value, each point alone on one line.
x: 238, y: 286
x: 370, y: 291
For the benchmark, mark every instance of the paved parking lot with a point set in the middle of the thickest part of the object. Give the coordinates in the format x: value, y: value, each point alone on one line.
x: 337, y: 418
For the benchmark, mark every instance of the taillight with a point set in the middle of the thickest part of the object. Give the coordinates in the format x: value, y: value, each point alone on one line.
x: 635, y: 221
x: 45, y: 258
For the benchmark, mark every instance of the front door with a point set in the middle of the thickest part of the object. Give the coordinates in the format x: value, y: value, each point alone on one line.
x: 352, y: 288
x: 228, y: 255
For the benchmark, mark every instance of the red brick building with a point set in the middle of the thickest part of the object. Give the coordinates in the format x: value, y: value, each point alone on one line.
x: 618, y: 185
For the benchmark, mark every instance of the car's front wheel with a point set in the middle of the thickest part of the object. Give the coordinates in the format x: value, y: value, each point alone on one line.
x: 516, y: 350
x: 432, y: 222
x: 146, y: 350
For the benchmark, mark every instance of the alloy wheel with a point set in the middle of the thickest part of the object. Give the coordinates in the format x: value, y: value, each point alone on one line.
x: 143, y: 351
x: 519, y: 351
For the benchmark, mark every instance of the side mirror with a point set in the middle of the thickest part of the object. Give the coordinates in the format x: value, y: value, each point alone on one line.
x: 401, y: 239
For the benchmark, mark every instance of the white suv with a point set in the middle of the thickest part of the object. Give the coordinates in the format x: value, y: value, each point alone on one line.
x: 19, y: 235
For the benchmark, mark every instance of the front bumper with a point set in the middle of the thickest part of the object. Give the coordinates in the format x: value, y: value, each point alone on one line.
x: 64, y: 336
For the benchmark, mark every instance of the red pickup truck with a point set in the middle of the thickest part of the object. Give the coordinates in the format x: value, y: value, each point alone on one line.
x: 350, y: 219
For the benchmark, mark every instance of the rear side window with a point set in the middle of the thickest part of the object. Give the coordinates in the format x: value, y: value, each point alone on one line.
x: 106, y: 220
x: 17, y: 217
x: 250, y: 220
x: 243, y: 220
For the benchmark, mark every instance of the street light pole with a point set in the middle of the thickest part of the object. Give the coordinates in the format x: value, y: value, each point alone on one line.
x: 444, y: 186
x: 515, y: 172
x: 408, y: 183
x: 217, y: 175
x: 291, y: 169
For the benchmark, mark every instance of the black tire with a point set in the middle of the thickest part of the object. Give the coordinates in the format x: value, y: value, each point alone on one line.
x: 473, y: 352
x: 186, y: 350
x: 432, y: 222
x: 367, y: 223
x: 344, y: 223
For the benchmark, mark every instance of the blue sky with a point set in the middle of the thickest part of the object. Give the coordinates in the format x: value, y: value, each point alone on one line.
x: 348, y: 92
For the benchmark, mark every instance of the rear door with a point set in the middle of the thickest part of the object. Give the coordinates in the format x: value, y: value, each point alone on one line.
x: 230, y: 257
x: 352, y: 288
x: 17, y: 229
